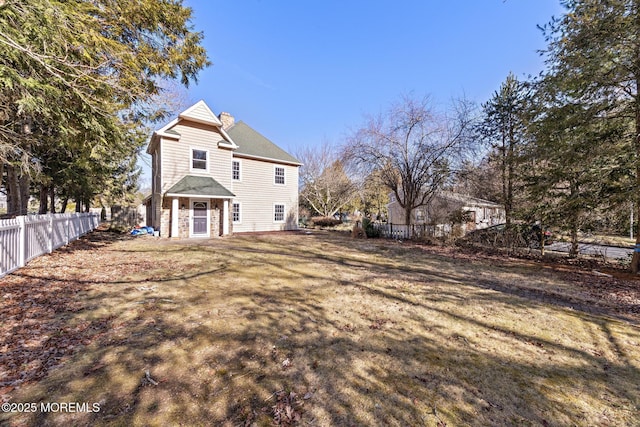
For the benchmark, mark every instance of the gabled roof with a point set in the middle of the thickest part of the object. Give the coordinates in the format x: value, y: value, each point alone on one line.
x: 201, y: 113
x: 467, y: 200
x: 199, y: 186
x: 253, y: 144
x: 167, y: 130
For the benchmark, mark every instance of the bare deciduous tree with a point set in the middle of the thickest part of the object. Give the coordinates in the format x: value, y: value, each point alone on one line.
x: 414, y: 147
x: 325, y: 185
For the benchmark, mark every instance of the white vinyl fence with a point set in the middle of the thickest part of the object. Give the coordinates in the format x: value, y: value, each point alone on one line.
x: 413, y: 231
x: 26, y: 237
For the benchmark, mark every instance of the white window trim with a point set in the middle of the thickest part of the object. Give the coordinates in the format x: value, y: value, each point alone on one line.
x: 239, y: 221
x: 284, y: 213
x: 240, y: 170
x: 196, y: 170
x: 208, y: 202
x: 284, y: 170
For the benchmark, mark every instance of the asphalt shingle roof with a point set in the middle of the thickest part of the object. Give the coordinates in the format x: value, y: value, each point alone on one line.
x: 251, y: 143
x: 206, y: 186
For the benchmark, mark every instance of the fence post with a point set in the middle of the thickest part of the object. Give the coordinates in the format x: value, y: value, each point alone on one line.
x: 66, y: 227
x: 22, y: 240
x: 50, y: 233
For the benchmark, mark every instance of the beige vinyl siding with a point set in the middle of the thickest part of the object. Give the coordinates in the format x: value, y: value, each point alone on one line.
x: 201, y: 113
x: 396, y: 213
x: 176, y: 155
x: 257, y: 194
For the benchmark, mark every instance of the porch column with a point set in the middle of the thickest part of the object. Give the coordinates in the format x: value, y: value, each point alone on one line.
x: 225, y: 217
x: 174, y: 217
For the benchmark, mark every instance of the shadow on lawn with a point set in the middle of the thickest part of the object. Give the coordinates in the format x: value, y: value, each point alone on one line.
x: 96, y: 239
x: 386, y: 359
x: 38, y: 331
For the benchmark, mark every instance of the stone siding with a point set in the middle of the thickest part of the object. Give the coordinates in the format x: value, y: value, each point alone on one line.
x: 216, y: 213
x: 165, y: 217
x: 216, y: 207
x: 183, y: 218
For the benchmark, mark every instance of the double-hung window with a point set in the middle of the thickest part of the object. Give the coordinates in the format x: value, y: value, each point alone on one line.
x: 235, y: 212
x: 279, y: 175
x: 235, y: 170
x: 278, y: 213
x: 198, y: 159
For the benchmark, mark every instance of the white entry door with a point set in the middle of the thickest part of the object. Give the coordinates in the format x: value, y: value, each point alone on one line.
x: 200, y: 218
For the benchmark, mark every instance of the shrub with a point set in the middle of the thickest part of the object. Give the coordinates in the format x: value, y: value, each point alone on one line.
x: 325, y: 221
x: 369, y: 229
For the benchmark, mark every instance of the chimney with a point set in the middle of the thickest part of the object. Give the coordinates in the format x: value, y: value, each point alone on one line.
x: 226, y: 119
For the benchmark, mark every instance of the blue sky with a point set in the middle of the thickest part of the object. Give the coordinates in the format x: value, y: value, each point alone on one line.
x: 304, y: 71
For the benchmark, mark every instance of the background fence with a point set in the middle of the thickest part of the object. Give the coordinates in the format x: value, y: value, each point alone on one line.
x: 413, y: 231
x: 26, y: 237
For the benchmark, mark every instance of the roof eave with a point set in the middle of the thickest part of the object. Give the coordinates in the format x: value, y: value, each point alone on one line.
x: 199, y: 196
x: 162, y: 133
x: 267, y: 159
x: 230, y: 144
x: 152, y: 143
x: 156, y: 137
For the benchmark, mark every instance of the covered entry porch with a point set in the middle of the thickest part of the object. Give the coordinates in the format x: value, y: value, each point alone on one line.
x: 196, y: 207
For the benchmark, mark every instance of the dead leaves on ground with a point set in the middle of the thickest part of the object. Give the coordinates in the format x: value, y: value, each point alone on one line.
x: 619, y: 294
x: 287, y: 410
x: 37, y: 304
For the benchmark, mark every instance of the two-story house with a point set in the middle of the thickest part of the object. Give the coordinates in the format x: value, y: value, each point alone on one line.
x: 212, y: 176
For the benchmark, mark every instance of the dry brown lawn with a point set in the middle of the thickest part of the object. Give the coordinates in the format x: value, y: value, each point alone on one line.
x: 319, y: 329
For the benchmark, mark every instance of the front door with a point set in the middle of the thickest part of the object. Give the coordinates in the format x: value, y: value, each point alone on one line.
x: 200, y: 219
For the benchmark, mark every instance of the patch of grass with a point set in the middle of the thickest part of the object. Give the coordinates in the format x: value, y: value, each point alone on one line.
x: 324, y: 330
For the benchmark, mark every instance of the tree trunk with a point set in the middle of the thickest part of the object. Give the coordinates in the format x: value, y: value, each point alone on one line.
x: 63, y: 207
x: 44, y: 199
x: 23, y: 183
x: 573, y: 250
x: 507, y: 211
x: 13, y: 194
x: 17, y: 187
x: 574, y: 220
x: 52, y: 196
x: 407, y: 219
x: 508, y: 208
x: 635, y: 261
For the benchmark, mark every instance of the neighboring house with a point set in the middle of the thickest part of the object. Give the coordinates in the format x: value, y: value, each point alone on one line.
x: 480, y: 213
x: 3, y: 202
x: 212, y: 177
